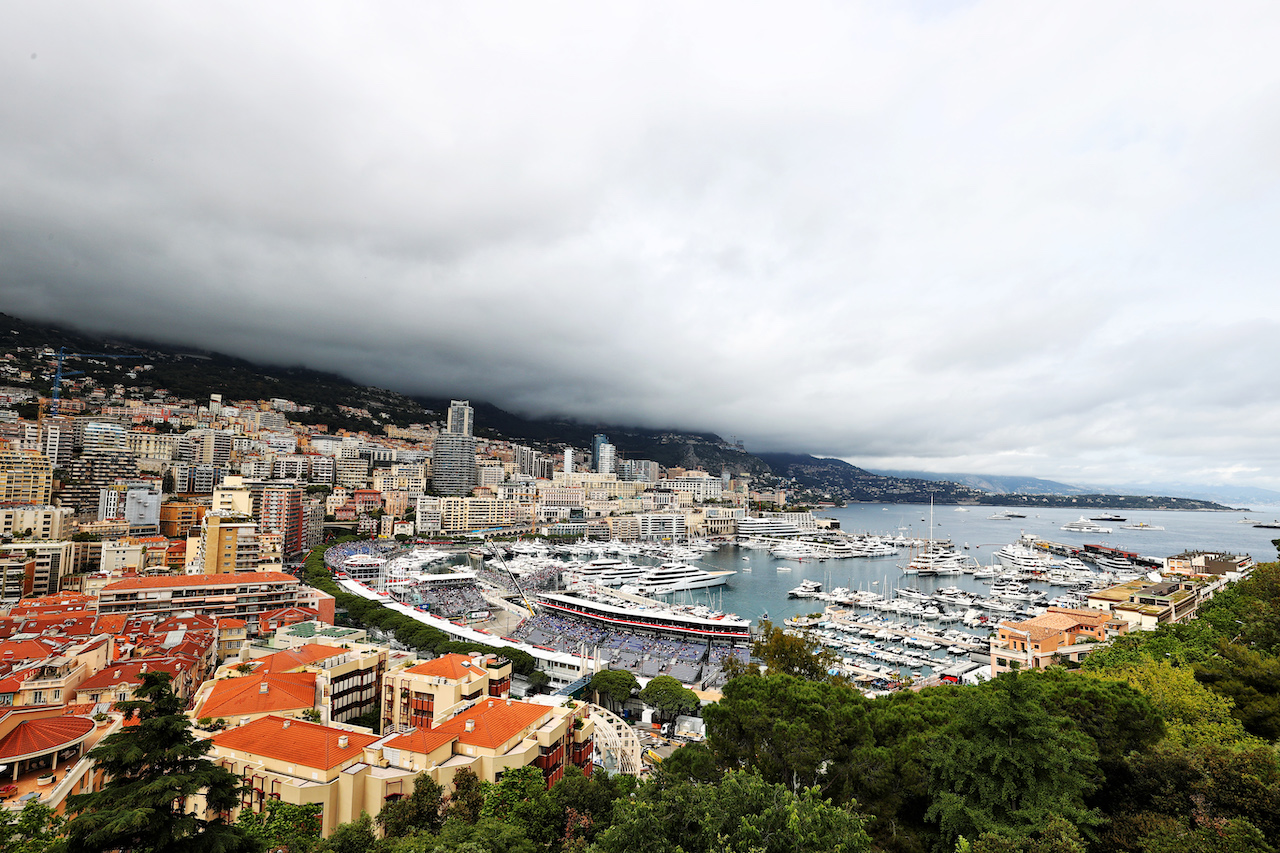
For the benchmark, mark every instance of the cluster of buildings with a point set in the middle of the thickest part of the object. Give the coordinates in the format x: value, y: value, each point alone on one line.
x: 142, y: 533
x: 278, y: 691
x: 122, y: 483
x: 1065, y: 635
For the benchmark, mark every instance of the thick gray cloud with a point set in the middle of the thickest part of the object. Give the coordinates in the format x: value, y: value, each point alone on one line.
x: 994, y: 236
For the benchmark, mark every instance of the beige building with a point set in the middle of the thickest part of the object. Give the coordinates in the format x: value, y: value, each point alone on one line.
x: 419, y: 695
x: 26, y: 477
x: 241, y: 595
x: 48, y: 523
x: 348, y: 772
x: 52, y: 561
x: 463, y: 514
x: 227, y: 542
x: 1145, y: 605
x: 1059, y: 635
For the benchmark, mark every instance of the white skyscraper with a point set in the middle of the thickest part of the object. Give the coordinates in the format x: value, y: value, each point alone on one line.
x: 568, y: 460
x: 607, y: 460
x: 461, y: 418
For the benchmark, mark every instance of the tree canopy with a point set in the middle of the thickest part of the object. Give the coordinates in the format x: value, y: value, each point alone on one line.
x: 155, y: 771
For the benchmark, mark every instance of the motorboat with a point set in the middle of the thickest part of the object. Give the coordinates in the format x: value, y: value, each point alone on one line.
x: 1084, y: 525
x: 807, y: 589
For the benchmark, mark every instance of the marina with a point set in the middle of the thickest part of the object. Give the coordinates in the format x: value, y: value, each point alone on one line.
x: 892, y: 598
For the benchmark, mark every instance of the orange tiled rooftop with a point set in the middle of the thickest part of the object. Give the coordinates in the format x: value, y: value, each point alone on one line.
x: 496, y: 722
x: 237, y: 697
x: 296, y: 741
x: 228, y: 579
x: 453, y: 666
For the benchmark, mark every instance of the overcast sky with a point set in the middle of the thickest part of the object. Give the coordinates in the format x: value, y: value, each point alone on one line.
x: 1001, y: 237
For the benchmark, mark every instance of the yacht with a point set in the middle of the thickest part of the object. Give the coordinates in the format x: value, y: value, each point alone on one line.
x: 1020, y: 555
x: 935, y: 559
x: 1107, y: 516
x: 1084, y: 525
x: 607, y: 571
x: 676, y: 577
x: 1140, y: 525
x: 807, y: 589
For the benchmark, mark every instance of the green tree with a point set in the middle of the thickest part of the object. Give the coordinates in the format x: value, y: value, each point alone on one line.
x: 669, y: 697
x: 539, y: 681
x: 792, y: 731
x: 35, y: 829
x: 488, y: 835
x: 784, y: 653
x: 354, y: 837
x: 1194, y: 716
x: 421, y: 811
x: 284, y: 826
x: 468, y: 796
x: 692, y: 762
x: 1005, y: 764
x: 743, y: 814
x: 1250, y: 679
x: 154, y: 771
x: 614, y: 686
x: 578, y: 798
x: 1056, y: 836
x: 520, y: 798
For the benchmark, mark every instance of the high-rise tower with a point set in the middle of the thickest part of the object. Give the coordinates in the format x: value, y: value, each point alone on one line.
x: 461, y: 418
x: 453, y: 456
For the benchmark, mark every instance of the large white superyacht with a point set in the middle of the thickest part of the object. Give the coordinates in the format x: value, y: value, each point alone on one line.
x: 677, y: 577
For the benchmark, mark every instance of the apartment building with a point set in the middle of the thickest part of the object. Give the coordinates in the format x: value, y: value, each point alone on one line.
x: 177, y: 518
x: 1145, y: 605
x: 420, y: 695
x: 348, y: 675
x: 1059, y: 635
x: 46, y: 523
x: 465, y: 514
x: 26, y: 477
x: 347, y: 772
x: 239, y: 595
x: 228, y: 542
x: 51, y: 560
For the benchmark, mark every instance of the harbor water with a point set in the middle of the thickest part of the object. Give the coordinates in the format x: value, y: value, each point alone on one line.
x: 762, y: 580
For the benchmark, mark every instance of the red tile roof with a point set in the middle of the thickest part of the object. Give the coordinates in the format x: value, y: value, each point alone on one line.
x: 16, y: 650
x: 228, y: 622
x: 129, y: 672
x: 57, y: 603
x: 13, y: 683
x: 181, y: 623
x: 296, y: 658
x: 66, y: 624
x: 237, y: 697
x: 496, y: 722
x: 171, y: 581
x: 454, y: 666
x: 294, y: 614
x: 296, y: 741
x: 110, y: 623
x: 422, y: 741
x: 36, y: 736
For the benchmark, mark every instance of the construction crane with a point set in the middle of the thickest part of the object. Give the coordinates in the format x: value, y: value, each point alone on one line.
x: 57, y: 377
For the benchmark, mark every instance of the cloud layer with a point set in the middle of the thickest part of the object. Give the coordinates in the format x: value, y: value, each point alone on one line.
x: 994, y: 236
